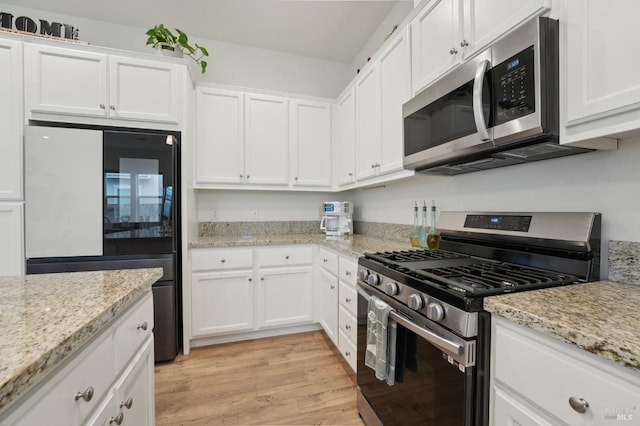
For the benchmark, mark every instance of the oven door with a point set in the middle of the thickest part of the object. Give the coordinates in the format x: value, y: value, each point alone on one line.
x: 430, y: 386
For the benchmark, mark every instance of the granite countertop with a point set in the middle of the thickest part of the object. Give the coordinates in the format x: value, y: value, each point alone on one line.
x: 46, y: 318
x: 352, y: 245
x: 600, y: 317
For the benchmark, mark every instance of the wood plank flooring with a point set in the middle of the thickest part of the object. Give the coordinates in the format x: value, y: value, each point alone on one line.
x: 297, y: 379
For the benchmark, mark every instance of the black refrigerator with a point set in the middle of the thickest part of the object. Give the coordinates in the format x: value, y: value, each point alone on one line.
x: 100, y: 199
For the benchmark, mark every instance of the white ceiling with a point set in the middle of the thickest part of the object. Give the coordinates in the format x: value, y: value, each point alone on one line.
x: 332, y: 30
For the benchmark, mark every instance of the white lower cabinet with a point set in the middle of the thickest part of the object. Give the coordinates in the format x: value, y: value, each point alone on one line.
x: 538, y: 380
x: 93, y: 387
x: 12, y: 241
x: 250, y: 289
x: 329, y: 304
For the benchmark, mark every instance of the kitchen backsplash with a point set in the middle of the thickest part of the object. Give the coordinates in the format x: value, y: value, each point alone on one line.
x: 624, y: 261
x: 385, y: 231
x: 222, y: 229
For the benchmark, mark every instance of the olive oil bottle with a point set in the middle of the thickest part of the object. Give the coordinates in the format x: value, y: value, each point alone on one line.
x: 424, y: 229
x: 433, y: 238
x: 415, y: 231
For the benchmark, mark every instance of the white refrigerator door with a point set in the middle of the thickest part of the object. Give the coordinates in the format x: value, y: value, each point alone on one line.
x: 63, y: 192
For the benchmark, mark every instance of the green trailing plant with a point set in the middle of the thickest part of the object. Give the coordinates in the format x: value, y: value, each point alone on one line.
x: 161, y: 34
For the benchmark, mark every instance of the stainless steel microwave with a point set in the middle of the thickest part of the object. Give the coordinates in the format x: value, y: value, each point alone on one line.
x: 497, y: 109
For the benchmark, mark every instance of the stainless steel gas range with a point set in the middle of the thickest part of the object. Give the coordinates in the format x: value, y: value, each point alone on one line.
x: 437, y: 357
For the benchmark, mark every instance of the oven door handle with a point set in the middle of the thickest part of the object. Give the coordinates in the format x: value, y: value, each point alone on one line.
x: 429, y: 336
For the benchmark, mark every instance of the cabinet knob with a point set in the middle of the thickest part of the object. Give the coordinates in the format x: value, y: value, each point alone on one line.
x: 143, y: 326
x: 261, y: 278
x: 296, y: 178
x: 464, y: 43
x: 117, y: 419
x: 87, y: 395
x: 347, y: 273
x: 333, y: 287
x: 348, y: 327
x: 325, y: 260
x: 579, y: 405
x: 287, y: 257
x: 241, y: 176
x: 127, y: 404
x: 102, y: 106
x: 453, y: 51
x: 248, y: 176
x: 347, y: 354
x: 112, y: 107
x: 223, y: 260
x: 350, y: 174
x: 250, y: 279
x: 348, y: 300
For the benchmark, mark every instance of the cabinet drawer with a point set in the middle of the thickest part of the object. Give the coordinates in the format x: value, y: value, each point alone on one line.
x: 548, y: 373
x: 59, y: 406
x: 347, y: 349
x: 132, y: 330
x: 216, y: 259
x: 348, y: 298
x: 348, y: 270
x: 347, y: 324
x: 329, y: 261
x: 285, y: 256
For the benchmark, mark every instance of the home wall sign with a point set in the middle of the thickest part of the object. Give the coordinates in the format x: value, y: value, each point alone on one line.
x: 40, y: 27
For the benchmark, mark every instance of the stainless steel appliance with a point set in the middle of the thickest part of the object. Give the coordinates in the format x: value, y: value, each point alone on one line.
x: 440, y: 358
x: 498, y: 109
x: 107, y: 199
x: 337, y: 220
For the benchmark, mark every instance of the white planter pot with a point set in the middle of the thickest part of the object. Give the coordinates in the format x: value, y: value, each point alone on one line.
x: 165, y: 49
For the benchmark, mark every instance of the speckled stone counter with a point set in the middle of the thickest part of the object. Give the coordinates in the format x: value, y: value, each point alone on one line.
x: 600, y: 317
x: 46, y: 318
x: 353, y: 245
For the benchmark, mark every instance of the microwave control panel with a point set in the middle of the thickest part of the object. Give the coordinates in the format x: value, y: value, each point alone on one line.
x: 514, y: 87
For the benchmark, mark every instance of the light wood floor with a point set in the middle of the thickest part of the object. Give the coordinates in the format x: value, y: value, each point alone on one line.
x: 296, y: 379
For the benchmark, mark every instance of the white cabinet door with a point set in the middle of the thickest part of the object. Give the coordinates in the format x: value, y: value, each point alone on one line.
x: 329, y: 304
x: 144, y: 90
x: 11, y: 120
x: 135, y: 392
x: 507, y: 411
x: 266, y: 140
x: 311, y: 143
x: 598, y: 35
x: 368, y: 127
x: 396, y: 90
x: 345, y: 137
x: 286, y: 296
x: 435, y: 38
x: 11, y: 243
x: 219, y: 145
x: 486, y: 20
x: 63, y: 203
x: 221, y: 302
x: 65, y: 81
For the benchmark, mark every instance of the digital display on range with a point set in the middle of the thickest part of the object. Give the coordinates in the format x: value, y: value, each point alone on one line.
x: 500, y: 222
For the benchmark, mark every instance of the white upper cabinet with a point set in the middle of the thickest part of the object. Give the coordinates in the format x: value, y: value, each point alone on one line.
x: 345, y: 137
x: 310, y: 123
x: 144, y: 90
x: 80, y: 86
x: 266, y: 140
x: 219, y: 148
x: 368, y: 126
x: 395, y: 86
x: 600, y: 70
x: 447, y: 32
x: 11, y: 120
x: 435, y: 35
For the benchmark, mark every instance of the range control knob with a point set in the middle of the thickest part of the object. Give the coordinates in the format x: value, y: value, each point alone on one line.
x: 435, y: 311
x: 392, y: 289
x: 415, y: 302
x: 363, y: 274
x: 373, y: 279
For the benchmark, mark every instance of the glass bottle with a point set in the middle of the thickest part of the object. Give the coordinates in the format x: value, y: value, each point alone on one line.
x: 415, y: 231
x: 424, y: 229
x: 433, y: 239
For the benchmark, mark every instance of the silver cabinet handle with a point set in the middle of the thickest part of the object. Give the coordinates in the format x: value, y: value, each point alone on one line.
x: 102, y: 106
x: 86, y: 395
x: 127, y: 404
x: 579, y: 405
x: 453, y: 51
x: 348, y: 300
x: 464, y: 43
x: 117, y: 419
x: 143, y: 326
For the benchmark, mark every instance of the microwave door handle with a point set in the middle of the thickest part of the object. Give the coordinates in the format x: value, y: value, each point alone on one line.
x: 478, y: 84
x: 322, y: 223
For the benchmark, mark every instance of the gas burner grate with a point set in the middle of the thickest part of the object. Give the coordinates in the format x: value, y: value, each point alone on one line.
x: 399, y: 257
x: 495, y: 277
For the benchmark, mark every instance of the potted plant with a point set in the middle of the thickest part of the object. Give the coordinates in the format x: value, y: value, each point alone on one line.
x: 163, y: 39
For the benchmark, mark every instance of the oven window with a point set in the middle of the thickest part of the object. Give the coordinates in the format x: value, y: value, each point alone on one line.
x: 448, y: 118
x: 428, y: 390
